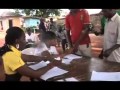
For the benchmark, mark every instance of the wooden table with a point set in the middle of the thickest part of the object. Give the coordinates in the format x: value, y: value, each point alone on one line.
x: 81, y: 69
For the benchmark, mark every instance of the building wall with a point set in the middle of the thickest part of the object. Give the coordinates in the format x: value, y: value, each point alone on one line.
x: 30, y: 22
x: 16, y: 22
x: 5, y: 22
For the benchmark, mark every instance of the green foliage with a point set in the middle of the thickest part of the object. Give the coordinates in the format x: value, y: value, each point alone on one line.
x: 39, y: 12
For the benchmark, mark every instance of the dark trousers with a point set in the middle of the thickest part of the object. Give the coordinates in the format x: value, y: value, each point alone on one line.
x: 101, y: 55
x: 64, y: 44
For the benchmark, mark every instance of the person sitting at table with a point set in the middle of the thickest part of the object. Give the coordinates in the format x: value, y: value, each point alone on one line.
x: 47, y: 43
x: 14, y: 61
x: 30, y: 38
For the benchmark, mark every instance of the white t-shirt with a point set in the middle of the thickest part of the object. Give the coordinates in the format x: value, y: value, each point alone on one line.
x: 112, y: 37
x: 28, y: 51
x: 39, y: 49
x: 53, y: 50
x: 31, y: 37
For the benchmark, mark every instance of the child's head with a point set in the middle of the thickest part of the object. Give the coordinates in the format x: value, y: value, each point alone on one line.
x: 49, y: 38
x: 29, y: 31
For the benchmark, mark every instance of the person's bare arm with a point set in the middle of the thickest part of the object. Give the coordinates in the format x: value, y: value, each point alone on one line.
x: 32, y: 58
x: 26, y: 71
x: 52, y: 56
x: 84, y: 33
x: 117, y: 45
x: 69, y: 39
x: 109, y: 51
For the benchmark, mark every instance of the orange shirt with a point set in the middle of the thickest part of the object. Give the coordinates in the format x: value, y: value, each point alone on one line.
x: 76, y: 23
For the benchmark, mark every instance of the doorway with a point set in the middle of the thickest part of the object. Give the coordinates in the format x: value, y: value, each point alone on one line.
x: 10, y: 23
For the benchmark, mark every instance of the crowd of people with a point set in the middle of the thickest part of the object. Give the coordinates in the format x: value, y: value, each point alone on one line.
x: 74, y: 36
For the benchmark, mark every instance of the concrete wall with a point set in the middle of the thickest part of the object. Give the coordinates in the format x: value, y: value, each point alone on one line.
x: 5, y: 22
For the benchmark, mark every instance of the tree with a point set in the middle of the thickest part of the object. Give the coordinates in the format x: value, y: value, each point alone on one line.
x: 39, y: 12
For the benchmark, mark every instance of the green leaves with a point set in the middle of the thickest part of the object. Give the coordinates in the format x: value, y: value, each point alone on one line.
x: 39, y: 12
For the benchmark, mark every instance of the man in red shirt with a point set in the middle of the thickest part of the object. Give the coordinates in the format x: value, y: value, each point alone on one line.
x: 77, y: 23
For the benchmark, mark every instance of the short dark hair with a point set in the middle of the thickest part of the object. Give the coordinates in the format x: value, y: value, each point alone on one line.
x: 28, y: 29
x: 49, y: 35
x: 12, y: 34
x: 51, y: 18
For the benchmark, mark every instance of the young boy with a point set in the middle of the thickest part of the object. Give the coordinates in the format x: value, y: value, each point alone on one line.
x: 62, y: 35
x: 45, y: 47
x: 49, y: 40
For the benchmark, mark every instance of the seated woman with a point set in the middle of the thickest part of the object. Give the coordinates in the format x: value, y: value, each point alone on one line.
x: 14, y: 61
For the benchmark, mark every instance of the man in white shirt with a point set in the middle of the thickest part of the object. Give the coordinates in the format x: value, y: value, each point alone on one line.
x: 112, y: 35
x: 30, y: 38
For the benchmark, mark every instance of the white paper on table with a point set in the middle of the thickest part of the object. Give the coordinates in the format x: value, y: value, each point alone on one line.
x: 72, y: 56
x: 68, y: 79
x: 105, y: 76
x: 55, y: 71
x: 66, y: 61
x: 47, y: 62
x: 58, y: 58
x: 30, y: 62
x: 61, y: 80
x: 71, y: 79
x: 38, y: 65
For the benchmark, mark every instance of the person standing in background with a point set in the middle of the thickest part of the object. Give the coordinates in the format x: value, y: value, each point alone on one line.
x: 62, y: 36
x: 42, y: 27
x: 53, y: 26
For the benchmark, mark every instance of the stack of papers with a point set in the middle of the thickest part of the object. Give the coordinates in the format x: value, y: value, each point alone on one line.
x: 105, y: 76
x: 68, y: 58
x: 38, y: 65
x: 53, y: 72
